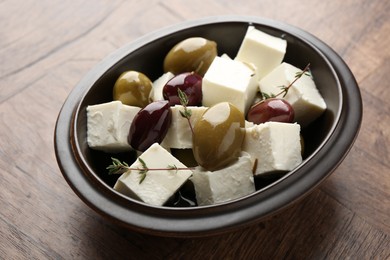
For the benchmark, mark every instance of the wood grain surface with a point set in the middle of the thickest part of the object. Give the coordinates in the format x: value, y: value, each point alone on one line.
x: 46, y: 47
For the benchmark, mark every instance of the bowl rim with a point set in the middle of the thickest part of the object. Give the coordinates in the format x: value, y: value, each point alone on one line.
x: 169, y: 221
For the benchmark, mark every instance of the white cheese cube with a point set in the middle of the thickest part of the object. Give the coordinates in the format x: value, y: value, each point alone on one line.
x: 226, y: 56
x: 232, y: 182
x: 158, y: 185
x: 303, y: 95
x: 179, y: 134
x: 248, y: 124
x: 276, y: 146
x: 108, y: 126
x: 261, y: 49
x: 158, y: 85
x: 229, y: 81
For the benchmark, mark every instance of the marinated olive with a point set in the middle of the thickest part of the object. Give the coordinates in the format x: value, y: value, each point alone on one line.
x: 193, y: 54
x: 132, y: 88
x: 272, y: 109
x: 218, y: 136
x: 150, y: 125
x: 188, y: 82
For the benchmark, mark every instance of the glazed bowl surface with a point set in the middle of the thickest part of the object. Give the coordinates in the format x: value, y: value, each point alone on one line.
x: 327, y: 140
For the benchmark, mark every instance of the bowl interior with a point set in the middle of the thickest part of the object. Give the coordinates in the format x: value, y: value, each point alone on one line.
x: 148, y: 58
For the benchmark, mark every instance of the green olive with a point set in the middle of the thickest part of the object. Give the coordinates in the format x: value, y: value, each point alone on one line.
x: 218, y: 136
x: 132, y: 88
x: 193, y: 54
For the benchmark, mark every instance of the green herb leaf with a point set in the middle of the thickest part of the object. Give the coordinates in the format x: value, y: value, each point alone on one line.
x: 285, y: 89
x: 187, y: 113
x: 173, y: 167
x: 302, y: 73
x: 142, y: 162
x: 267, y: 96
x: 143, y: 176
x: 182, y: 97
x: 117, y: 167
x: 142, y: 171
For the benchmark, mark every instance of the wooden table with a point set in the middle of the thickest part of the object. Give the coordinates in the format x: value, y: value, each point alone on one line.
x: 47, y: 46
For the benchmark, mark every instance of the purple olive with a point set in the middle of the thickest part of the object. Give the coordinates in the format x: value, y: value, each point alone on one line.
x: 273, y: 109
x: 150, y: 125
x: 190, y: 83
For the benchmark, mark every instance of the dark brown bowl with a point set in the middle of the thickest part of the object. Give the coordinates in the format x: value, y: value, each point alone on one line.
x: 327, y: 140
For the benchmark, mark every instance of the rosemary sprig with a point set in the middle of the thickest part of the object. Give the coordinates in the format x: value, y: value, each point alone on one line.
x: 284, y: 89
x: 118, y: 167
x: 187, y: 113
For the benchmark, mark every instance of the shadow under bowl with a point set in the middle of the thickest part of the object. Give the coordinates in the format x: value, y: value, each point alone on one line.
x: 327, y: 140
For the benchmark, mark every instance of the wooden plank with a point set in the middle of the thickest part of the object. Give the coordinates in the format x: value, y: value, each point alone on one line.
x: 47, y: 47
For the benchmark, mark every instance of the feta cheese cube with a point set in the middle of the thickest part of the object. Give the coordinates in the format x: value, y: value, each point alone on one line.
x: 248, y: 124
x: 108, y: 126
x: 158, y: 85
x: 276, y: 146
x: 303, y: 95
x: 219, y: 186
x: 179, y: 134
x: 229, y: 81
x: 158, y: 185
x: 261, y: 49
x: 226, y: 56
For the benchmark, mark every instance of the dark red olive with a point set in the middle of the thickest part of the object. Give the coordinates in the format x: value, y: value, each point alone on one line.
x: 150, y: 125
x: 190, y: 83
x: 272, y: 109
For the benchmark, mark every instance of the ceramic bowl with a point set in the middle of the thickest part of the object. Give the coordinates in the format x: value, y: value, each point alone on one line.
x: 327, y: 140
